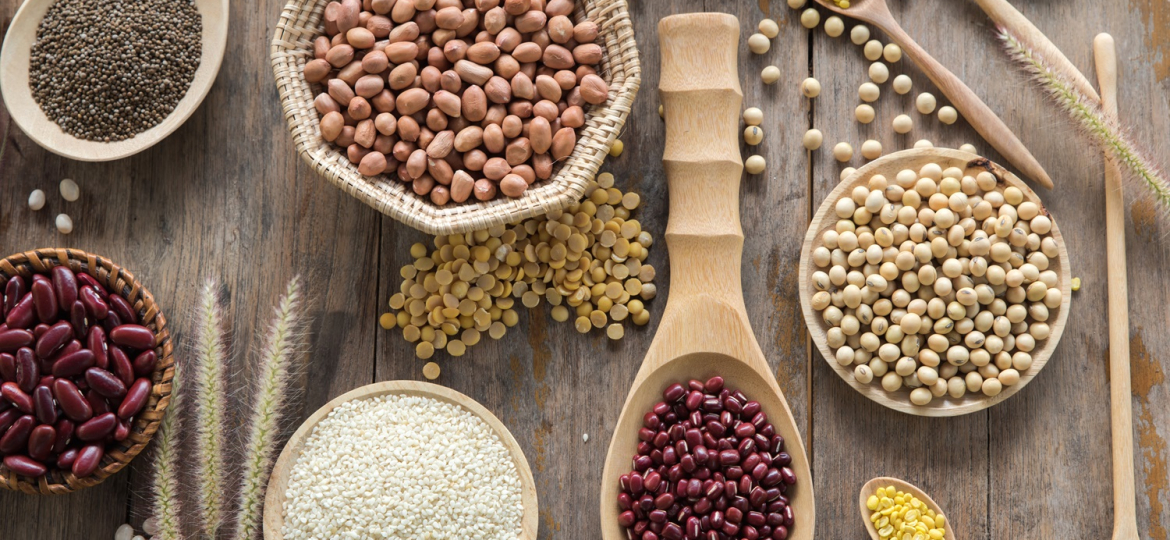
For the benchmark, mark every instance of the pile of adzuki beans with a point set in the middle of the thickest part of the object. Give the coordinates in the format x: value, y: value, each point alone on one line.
x: 709, y: 466
x: 462, y: 99
x: 76, y: 371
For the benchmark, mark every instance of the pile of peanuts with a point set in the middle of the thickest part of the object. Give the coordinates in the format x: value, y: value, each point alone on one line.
x: 937, y: 281
x: 587, y: 261
x: 459, y: 98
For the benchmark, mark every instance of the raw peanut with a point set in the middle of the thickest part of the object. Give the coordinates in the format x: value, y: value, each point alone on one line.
x: 402, y: 76
x: 439, y: 169
x: 513, y: 185
x: 339, y: 91
x: 560, y: 29
x: 540, y: 134
x: 525, y: 172
x: 522, y: 87
x: 494, y: 20
x: 385, y: 123
x: 582, y: 71
x: 523, y: 109
x: 316, y: 70
x: 527, y: 52
x: 380, y: 26
x: 512, y: 126
x: 474, y: 104
x: 440, y: 195
x: 483, y: 53
x: 412, y: 101
x: 383, y: 102
x: 430, y: 78
x: 363, y: 135
x: 423, y: 5
x: 451, y: 82
x: 542, y: 164
x: 383, y: 144
x: 495, y: 115
x: 416, y: 165
x: 402, y: 150
x: 374, y: 163
x: 321, y: 46
x: 474, y: 160
x: 493, y: 138
x: 436, y: 120
x: 355, y: 152
x: 351, y: 72
x: 573, y: 117
x: 594, y: 89
x: 496, y: 168
x: 518, y: 151
x: 441, y: 145
x: 448, y: 103
x: 349, y: 16
x: 559, y: 7
x: 408, y: 129
x: 470, y: 23
x: 566, y: 79
x: 472, y: 73
x: 484, y: 190
x: 548, y: 88
x: 587, y: 53
x: 402, y: 11
x: 449, y: 18
x: 461, y: 186
x: 563, y: 142
x: 403, y: 32
x: 531, y: 22
x: 484, y: 5
x: 557, y: 57
x: 360, y: 38
x: 423, y: 184
x: 375, y: 62
x: 359, y: 108
x: 381, y: 7
x: 506, y: 66
x: 469, y: 138
x: 585, y: 32
x: 498, y: 90
x: 339, y: 55
x: 546, y: 109
x: 455, y: 50
x: 401, y: 52
x: 541, y: 39
x: 424, y: 137
x: 331, y: 125
x: 516, y: 7
x: 369, y: 86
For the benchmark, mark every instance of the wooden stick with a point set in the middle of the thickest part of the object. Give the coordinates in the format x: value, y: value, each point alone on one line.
x: 1120, y: 393
x: 1008, y: 17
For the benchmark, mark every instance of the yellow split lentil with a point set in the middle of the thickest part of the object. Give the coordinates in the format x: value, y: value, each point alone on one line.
x: 898, y: 515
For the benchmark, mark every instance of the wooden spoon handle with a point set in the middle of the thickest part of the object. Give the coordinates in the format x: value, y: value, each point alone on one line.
x: 1120, y: 392
x: 701, y: 97
x: 977, y: 113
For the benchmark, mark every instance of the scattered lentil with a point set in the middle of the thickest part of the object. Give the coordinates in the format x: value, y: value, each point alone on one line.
x: 431, y: 370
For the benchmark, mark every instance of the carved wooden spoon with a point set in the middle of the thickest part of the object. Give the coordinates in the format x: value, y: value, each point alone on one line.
x: 872, y: 486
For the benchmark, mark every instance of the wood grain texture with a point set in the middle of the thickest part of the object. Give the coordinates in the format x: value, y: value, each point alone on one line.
x: 226, y: 196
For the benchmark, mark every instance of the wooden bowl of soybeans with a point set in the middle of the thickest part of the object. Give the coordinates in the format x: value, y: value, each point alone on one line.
x: 934, y: 282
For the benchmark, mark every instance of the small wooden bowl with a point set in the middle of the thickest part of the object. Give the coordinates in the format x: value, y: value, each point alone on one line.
x: 116, y: 280
x: 825, y: 219
x: 278, y: 483
x: 18, y: 98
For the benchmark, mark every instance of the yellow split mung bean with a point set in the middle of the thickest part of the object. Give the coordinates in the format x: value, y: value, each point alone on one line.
x: 899, y: 515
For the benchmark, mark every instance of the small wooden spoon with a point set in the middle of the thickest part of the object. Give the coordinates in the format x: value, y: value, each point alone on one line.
x: 977, y: 113
x: 14, y: 69
x: 278, y: 483
x: 705, y: 329
x: 871, y: 487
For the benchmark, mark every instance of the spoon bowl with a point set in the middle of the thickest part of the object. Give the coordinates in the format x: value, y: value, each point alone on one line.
x: 278, y: 483
x: 901, y: 485
x: 18, y: 98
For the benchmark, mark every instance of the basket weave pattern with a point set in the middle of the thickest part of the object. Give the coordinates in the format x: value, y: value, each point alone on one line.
x: 292, y: 47
x: 116, y: 280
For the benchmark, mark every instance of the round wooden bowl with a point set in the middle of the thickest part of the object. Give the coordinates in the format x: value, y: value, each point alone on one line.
x: 116, y: 280
x: 826, y: 218
x: 18, y: 98
x: 278, y: 483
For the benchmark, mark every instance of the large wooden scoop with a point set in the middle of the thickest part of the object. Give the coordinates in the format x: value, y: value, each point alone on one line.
x: 704, y: 330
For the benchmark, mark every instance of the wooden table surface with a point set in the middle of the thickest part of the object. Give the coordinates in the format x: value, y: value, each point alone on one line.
x: 226, y: 197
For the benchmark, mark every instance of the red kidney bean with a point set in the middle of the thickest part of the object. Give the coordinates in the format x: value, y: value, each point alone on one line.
x: 97, y: 402
x: 73, y: 364
x: 8, y: 417
x: 40, y: 442
x: 11, y: 340
x: 73, y: 403
x: 64, y: 429
x: 95, y: 307
x: 122, y: 430
x: 53, y: 339
x: 77, y: 316
x: 27, y: 370
x: 96, y: 343
x: 121, y: 307
x: 136, y: 398
x: 121, y: 366
x: 7, y: 368
x: 44, y: 299
x: 64, y: 285
x: 133, y: 336
x: 11, y: 392
x: 86, y: 280
x: 111, y: 321
x: 46, y: 410
x: 88, y: 460
x: 105, y: 383
x: 13, y: 292
x: 97, y: 428
x: 24, y: 466
x: 66, y: 459
x: 16, y: 438
x: 39, y: 331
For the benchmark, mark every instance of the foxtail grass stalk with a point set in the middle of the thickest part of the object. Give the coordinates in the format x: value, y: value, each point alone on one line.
x: 165, y: 485
x: 274, y: 369
x: 210, y: 360
x: 1089, y: 116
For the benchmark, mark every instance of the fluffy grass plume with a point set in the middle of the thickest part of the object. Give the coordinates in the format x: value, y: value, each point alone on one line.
x: 274, y: 369
x: 210, y: 357
x: 165, y: 485
x: 1088, y: 114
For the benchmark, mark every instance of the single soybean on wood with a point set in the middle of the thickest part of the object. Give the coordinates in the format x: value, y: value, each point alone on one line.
x: 976, y: 112
x: 705, y: 329
x: 871, y: 488
x: 26, y: 113
x: 1120, y: 383
x: 826, y: 219
x: 278, y: 483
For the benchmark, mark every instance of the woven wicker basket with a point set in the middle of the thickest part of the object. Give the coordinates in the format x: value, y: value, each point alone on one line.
x: 147, y: 423
x: 292, y: 46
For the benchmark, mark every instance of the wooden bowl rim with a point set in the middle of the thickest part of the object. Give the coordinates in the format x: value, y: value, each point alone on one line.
x: 945, y: 406
x: 27, y: 114
x: 901, y: 485
x: 278, y: 482
x: 148, y: 421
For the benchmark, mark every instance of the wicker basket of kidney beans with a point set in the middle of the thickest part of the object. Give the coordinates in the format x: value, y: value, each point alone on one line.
x: 709, y: 466
x: 85, y: 370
